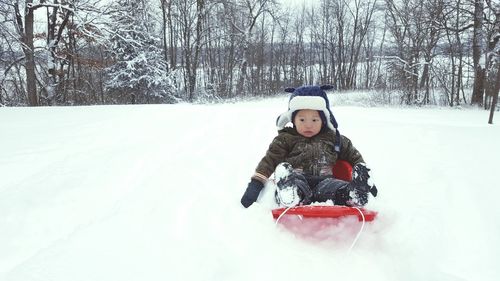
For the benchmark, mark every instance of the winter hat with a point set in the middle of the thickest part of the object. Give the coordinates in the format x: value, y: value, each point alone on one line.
x: 310, y: 97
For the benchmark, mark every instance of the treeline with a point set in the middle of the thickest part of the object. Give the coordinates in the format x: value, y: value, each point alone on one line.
x: 74, y: 52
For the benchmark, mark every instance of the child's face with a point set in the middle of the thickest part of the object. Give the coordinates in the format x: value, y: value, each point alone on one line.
x: 308, y: 122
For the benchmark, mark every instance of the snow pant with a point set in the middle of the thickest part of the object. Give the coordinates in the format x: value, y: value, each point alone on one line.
x: 320, y: 188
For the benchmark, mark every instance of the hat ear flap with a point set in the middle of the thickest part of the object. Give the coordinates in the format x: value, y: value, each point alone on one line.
x: 283, y: 119
x: 289, y: 90
x: 326, y: 87
x: 334, y: 122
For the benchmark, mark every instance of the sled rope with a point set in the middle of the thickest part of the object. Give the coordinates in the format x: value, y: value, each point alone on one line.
x: 360, y: 230
x: 282, y: 214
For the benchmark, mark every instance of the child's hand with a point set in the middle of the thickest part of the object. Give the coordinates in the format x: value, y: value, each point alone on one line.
x: 252, y: 193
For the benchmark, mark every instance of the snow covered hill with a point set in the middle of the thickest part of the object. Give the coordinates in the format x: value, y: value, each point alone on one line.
x: 123, y: 193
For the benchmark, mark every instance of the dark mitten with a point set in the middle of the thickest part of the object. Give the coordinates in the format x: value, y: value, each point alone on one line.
x: 252, y: 193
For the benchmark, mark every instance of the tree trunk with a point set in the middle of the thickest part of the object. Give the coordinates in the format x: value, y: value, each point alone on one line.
x: 493, y: 73
x: 495, y: 90
x: 200, y: 13
x: 56, y: 76
x: 172, y: 32
x: 164, y: 11
x: 28, y: 49
x: 477, y: 45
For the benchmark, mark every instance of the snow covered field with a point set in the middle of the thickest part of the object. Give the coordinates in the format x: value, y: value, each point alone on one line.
x: 123, y: 193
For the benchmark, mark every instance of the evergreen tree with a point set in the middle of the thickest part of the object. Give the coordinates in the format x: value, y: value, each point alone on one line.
x: 139, y: 73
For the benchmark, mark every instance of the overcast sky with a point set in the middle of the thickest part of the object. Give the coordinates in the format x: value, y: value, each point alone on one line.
x: 296, y: 2
x: 299, y: 3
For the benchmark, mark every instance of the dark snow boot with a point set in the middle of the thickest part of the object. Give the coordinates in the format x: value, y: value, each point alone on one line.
x: 332, y: 189
x: 360, y: 186
x: 292, y: 188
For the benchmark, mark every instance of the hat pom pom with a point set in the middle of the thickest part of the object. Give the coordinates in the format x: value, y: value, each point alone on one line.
x: 326, y: 87
x: 289, y: 90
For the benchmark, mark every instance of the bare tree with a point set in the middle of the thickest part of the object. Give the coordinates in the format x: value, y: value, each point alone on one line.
x: 413, y: 25
x: 24, y: 20
x: 58, y: 15
x: 243, y: 15
x: 323, y: 42
x: 404, y: 25
x: 434, y: 11
x: 493, y: 60
x: 191, y: 14
x: 455, y: 23
x: 46, y: 68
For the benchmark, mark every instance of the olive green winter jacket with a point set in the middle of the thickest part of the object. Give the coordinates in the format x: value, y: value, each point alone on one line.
x: 313, y: 156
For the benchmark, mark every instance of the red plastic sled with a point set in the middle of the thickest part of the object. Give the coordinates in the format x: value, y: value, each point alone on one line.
x: 315, y: 211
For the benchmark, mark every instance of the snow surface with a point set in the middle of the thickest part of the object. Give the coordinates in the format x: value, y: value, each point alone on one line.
x: 152, y: 193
